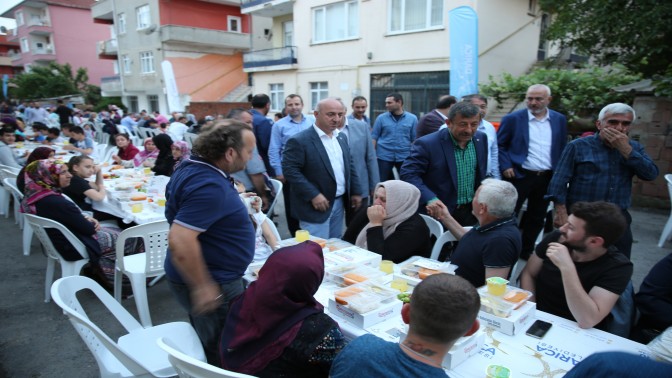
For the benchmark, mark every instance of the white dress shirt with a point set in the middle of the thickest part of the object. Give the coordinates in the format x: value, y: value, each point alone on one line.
x: 539, y: 147
x: 335, y: 154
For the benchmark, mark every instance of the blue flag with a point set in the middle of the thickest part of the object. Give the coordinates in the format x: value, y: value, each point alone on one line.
x: 463, y: 29
x: 5, y: 79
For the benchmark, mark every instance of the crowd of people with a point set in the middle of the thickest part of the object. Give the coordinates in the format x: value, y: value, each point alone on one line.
x: 369, y: 184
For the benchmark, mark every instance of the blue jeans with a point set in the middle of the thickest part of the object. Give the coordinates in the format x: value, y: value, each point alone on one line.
x: 385, y: 169
x: 209, y: 326
x: 332, y: 227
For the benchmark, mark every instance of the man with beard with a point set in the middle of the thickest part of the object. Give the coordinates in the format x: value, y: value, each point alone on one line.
x: 575, y: 272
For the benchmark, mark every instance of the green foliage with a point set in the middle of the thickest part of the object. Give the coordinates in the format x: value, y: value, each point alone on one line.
x: 53, y: 80
x: 636, y: 34
x: 105, y: 101
x: 576, y: 93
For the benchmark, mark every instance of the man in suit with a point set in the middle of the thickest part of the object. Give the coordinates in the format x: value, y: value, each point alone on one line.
x: 356, y: 134
x: 320, y: 170
x: 530, y: 143
x: 432, y: 121
x: 447, y: 166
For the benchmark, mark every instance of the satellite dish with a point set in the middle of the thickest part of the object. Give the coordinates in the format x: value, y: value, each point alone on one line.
x: 3, y: 29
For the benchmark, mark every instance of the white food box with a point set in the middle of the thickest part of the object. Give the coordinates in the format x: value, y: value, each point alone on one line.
x: 519, y: 321
x: 463, y: 348
x: 417, y: 262
x: 352, y: 255
x: 384, y: 312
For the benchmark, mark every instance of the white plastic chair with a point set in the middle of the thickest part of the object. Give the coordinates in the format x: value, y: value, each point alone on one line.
x: 134, y: 354
x: 140, y: 266
x: 277, y: 188
x: 435, y: 227
x: 68, y: 268
x: 10, y: 185
x: 190, y: 138
x: 23, y: 223
x: 446, y: 237
x: 5, y: 194
x: 668, y: 226
x: 189, y: 367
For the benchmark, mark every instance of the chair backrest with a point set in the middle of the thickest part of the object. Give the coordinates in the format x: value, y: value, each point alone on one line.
x: 668, y: 178
x: 112, y: 361
x: 446, y: 237
x: 8, y: 172
x: 277, y: 188
x: 190, y: 138
x: 152, y: 132
x: 10, y: 183
x: 274, y: 229
x: 40, y: 225
x: 435, y: 227
x: 189, y: 367
x: 155, y: 237
x: 142, y: 133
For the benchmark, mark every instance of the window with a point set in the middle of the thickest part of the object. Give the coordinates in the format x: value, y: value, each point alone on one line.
x: 19, y: 18
x: 153, y: 101
x: 121, y: 23
x: 133, y: 103
x: 318, y: 92
x: 126, y: 63
x: 277, y: 93
x: 335, y: 22
x: 234, y: 24
x: 414, y: 15
x: 288, y: 33
x: 24, y: 45
x: 142, y: 17
x: 146, y: 62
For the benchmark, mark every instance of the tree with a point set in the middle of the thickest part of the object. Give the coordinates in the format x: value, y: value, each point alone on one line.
x: 634, y: 33
x: 53, y: 80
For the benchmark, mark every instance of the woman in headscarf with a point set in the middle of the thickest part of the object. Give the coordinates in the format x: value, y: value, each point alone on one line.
x: 276, y: 328
x: 45, y: 180
x: 127, y: 150
x: 180, y: 150
x: 147, y: 157
x: 40, y: 153
x: 394, y: 230
x: 164, y: 161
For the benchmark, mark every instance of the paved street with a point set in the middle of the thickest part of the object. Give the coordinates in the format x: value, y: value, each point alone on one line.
x: 36, y: 340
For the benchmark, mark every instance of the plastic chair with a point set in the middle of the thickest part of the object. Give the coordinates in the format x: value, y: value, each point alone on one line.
x: 277, y: 188
x: 668, y: 226
x: 435, y: 227
x: 189, y: 367
x: 68, y: 268
x: 446, y: 237
x: 134, y: 354
x: 6, y: 172
x: 190, y: 138
x: 27, y: 230
x: 140, y: 266
x: 10, y: 185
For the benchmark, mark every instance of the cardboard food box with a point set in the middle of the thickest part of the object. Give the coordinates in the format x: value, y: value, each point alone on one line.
x: 350, y: 274
x: 417, y: 268
x: 518, y: 321
x: 384, y: 312
x: 352, y: 255
x: 463, y: 348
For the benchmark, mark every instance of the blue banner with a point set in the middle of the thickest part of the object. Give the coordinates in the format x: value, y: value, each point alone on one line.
x: 5, y: 79
x: 463, y: 31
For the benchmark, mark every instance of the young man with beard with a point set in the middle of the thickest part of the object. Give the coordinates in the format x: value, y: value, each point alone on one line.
x: 575, y: 272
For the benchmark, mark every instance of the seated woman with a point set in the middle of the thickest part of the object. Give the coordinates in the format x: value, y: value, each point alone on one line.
x: 45, y: 180
x: 276, y: 327
x: 180, y: 150
x: 147, y: 157
x: 40, y: 153
x: 165, y: 162
x: 392, y: 227
x: 265, y: 241
x: 127, y: 151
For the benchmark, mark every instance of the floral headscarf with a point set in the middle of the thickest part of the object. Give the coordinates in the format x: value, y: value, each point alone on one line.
x: 41, y: 178
x: 184, y: 148
x: 143, y: 155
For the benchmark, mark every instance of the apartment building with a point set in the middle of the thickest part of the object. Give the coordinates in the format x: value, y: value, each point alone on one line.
x: 6, y: 49
x: 58, y: 31
x: 323, y: 48
x: 201, y: 42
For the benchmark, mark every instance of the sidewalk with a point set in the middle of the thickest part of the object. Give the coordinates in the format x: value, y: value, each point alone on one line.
x: 36, y: 340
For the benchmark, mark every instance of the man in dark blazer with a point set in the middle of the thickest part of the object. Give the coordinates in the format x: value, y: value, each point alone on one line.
x: 363, y: 154
x: 432, y: 121
x: 530, y: 144
x: 319, y: 167
x: 447, y: 166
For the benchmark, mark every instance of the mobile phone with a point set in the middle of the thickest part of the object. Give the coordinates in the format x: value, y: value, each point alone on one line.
x: 538, y: 329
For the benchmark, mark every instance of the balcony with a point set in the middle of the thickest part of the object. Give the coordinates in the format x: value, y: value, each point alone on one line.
x: 37, y: 26
x: 204, y: 40
x: 43, y: 55
x: 103, y: 12
x: 284, y: 58
x: 107, y: 49
x: 267, y: 8
x: 110, y: 86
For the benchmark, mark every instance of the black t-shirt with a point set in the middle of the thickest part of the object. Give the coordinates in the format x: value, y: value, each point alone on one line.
x: 76, y: 191
x: 64, y: 114
x: 611, y: 271
x: 495, y: 245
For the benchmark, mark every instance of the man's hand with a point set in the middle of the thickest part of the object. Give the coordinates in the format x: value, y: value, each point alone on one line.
x: 96, y: 224
x: 376, y: 214
x: 206, y: 298
x: 355, y: 201
x: 509, y: 173
x: 617, y: 140
x: 559, y: 256
x: 320, y: 203
x: 560, y: 217
x: 437, y: 210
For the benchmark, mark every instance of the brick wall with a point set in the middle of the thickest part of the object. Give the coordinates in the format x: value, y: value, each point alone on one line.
x: 653, y: 129
x: 202, y: 109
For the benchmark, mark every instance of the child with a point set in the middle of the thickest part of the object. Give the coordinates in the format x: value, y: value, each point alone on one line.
x: 265, y: 240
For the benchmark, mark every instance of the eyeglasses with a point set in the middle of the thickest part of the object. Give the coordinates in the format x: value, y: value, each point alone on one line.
x: 615, y: 122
